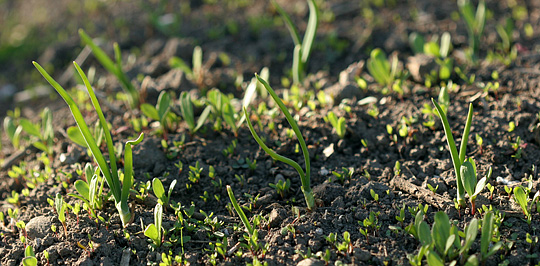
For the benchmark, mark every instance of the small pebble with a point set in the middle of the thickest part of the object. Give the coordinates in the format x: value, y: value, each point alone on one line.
x: 319, y: 231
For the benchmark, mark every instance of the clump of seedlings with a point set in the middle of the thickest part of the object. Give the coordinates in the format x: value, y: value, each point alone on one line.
x: 120, y: 190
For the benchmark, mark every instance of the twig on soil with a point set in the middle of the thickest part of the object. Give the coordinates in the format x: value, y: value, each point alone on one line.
x: 435, y: 200
x: 17, y: 156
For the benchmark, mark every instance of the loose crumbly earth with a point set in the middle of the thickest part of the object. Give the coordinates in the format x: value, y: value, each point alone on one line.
x: 247, y: 34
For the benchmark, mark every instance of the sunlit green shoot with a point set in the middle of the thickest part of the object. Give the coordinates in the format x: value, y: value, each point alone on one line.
x: 153, y: 231
x: 303, y: 46
x: 186, y: 107
x: 239, y: 211
x: 457, y: 159
x: 470, y: 183
x: 114, y: 68
x: 304, y: 175
x: 120, y: 192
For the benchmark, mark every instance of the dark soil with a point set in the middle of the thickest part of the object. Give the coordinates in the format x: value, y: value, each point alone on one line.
x: 343, y: 44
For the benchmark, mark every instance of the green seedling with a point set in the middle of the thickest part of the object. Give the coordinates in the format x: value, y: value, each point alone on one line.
x: 60, y: 208
x: 522, y: 198
x: 44, y: 133
x: 90, y: 192
x: 472, y: 186
x: 240, y: 212
x: 153, y: 231
x: 475, y: 21
x: 13, y: 131
x: 384, y: 73
x: 195, y: 74
x: 457, y: 159
x: 29, y: 257
x: 346, y: 174
x: 445, y: 243
x: 439, y: 51
x: 186, y: 107
x: 114, y: 68
x: 222, y: 109
x: 160, y: 112
x: 339, y: 125
x: 488, y: 230
x: 119, y: 192
x: 159, y: 191
x: 304, y: 175
x: 282, y: 187
x: 302, y: 49
x: 345, y: 246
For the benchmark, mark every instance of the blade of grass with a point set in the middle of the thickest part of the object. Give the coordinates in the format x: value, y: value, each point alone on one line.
x: 453, y: 152
x: 311, y: 30
x: 115, y: 182
x: 96, y: 152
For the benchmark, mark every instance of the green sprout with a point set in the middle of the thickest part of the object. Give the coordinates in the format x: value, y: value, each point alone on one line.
x: 153, y: 231
x: 472, y: 186
x: 186, y: 107
x: 302, y: 49
x: 340, y: 125
x: 29, y: 257
x: 488, y: 230
x: 384, y: 73
x: 119, y: 192
x: 160, y: 112
x: 304, y: 175
x: 457, y: 159
x: 159, y: 191
x: 13, y: 131
x: 195, y: 74
x: 282, y: 187
x: 475, y: 23
x: 239, y: 211
x: 522, y: 198
x: 60, y: 208
x: 44, y: 133
x: 114, y: 68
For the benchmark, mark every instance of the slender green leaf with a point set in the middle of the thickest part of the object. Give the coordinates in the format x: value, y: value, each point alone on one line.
x: 487, y: 232
x: 311, y: 30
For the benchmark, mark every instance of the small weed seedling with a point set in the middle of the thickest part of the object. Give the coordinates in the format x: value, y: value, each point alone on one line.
x: 114, y: 68
x: 475, y: 24
x: 29, y: 257
x: 384, y: 73
x: 282, y: 187
x: 339, y: 125
x: 159, y: 191
x: 472, y: 186
x: 90, y: 192
x: 60, y: 208
x: 44, y: 133
x: 252, y: 236
x: 457, y: 159
x: 521, y: 196
x: 120, y: 192
x: 195, y: 73
x: 186, y: 107
x: 301, y: 50
x: 304, y: 175
x: 153, y: 231
x: 159, y: 112
x: 346, y: 174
